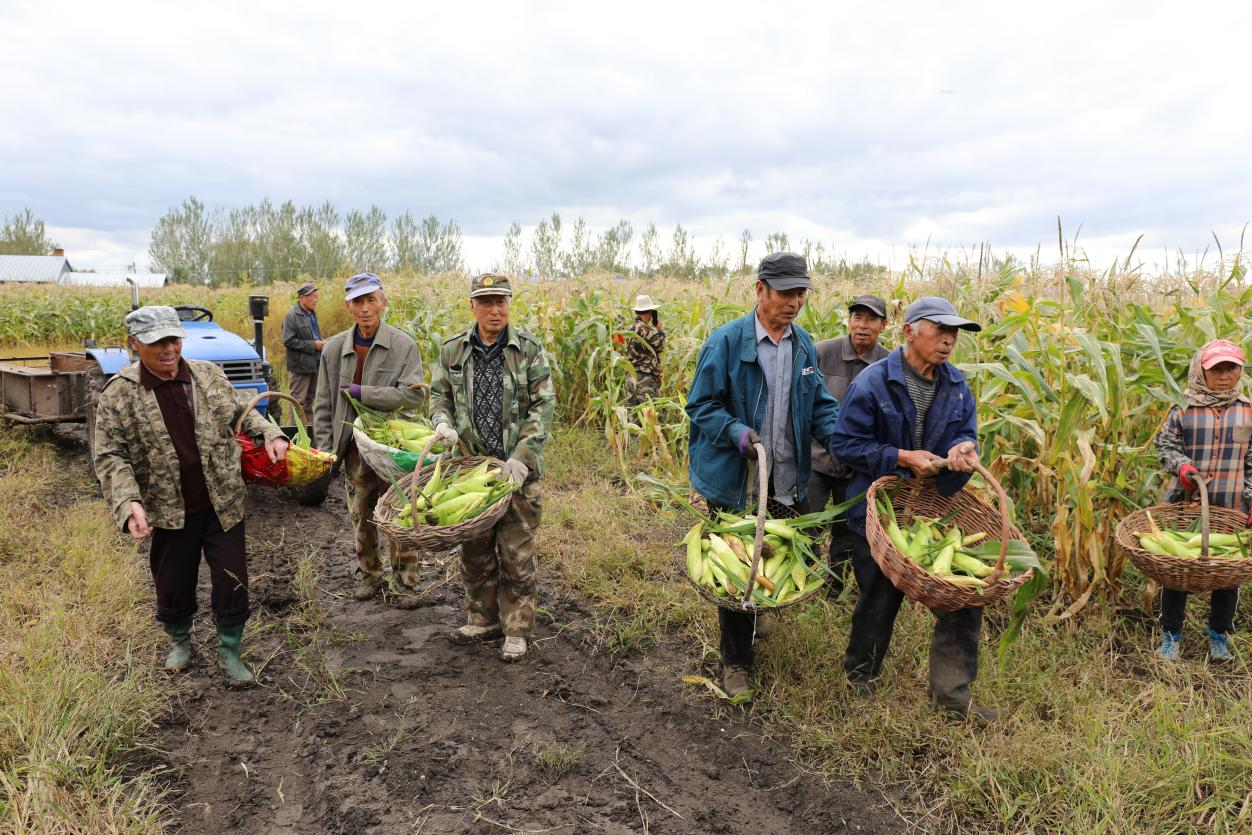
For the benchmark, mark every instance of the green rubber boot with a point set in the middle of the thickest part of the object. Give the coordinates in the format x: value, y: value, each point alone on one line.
x: 228, y: 640
x: 179, y: 658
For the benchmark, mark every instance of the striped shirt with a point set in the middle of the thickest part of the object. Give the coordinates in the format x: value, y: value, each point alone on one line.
x: 922, y: 393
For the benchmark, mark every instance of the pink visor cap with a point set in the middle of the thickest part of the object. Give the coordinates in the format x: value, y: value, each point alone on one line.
x: 1219, y: 352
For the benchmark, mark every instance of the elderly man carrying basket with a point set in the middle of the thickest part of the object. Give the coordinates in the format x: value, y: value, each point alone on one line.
x: 913, y: 411
x: 492, y: 389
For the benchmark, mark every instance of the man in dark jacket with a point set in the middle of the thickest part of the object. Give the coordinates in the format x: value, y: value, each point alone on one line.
x: 757, y: 382
x: 840, y: 361
x: 911, y: 412
x: 303, y: 339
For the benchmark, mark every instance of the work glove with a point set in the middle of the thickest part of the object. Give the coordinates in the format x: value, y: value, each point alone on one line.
x: 446, y: 435
x: 516, y: 471
x: 1248, y: 524
x: 745, y: 441
x: 353, y: 391
x: 1186, y: 474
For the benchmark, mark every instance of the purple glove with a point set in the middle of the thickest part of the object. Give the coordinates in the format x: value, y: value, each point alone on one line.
x: 353, y: 391
x: 744, y: 444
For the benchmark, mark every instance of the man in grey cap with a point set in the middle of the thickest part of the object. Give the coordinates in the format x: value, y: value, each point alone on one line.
x: 911, y: 413
x: 757, y: 382
x: 302, y: 336
x: 840, y: 361
x: 168, y: 463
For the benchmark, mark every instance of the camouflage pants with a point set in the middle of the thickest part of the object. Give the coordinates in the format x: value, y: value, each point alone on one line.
x: 641, y: 387
x: 364, y: 488
x: 499, y: 569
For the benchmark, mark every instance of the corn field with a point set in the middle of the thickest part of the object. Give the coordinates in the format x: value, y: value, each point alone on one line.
x: 1074, y: 370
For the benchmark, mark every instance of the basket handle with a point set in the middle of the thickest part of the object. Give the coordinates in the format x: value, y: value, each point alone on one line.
x: 1203, y: 485
x: 762, y: 472
x: 262, y: 396
x: 413, y: 482
x: 1004, y: 518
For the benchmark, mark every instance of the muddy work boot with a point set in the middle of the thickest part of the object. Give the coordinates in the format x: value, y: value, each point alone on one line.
x: 237, y: 673
x: 1219, y: 648
x: 972, y: 711
x: 513, y: 649
x: 179, y: 658
x: 368, y: 586
x: 472, y: 633
x: 862, y: 688
x: 1171, y: 647
x: 734, y: 680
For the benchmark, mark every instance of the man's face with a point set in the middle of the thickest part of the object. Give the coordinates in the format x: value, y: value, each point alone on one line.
x: 1224, y: 376
x: 309, y: 302
x: 932, y: 343
x: 779, y: 308
x: 161, y: 357
x: 491, y: 313
x: 864, y: 328
x: 367, y: 309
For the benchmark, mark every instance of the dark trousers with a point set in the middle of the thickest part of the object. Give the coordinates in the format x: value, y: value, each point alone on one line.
x: 1222, y: 604
x: 175, y: 559
x: 953, y: 649
x: 825, y: 488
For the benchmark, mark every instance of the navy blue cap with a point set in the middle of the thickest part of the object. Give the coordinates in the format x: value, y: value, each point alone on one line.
x: 784, y: 271
x: 360, y: 284
x: 940, y: 311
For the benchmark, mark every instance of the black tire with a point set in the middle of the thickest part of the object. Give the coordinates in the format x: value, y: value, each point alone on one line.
x: 314, y: 494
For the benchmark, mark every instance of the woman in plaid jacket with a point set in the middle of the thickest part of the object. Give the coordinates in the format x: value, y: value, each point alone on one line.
x: 1208, y: 437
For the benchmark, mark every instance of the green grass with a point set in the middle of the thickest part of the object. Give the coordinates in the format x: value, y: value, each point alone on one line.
x: 78, y: 687
x: 1097, y: 736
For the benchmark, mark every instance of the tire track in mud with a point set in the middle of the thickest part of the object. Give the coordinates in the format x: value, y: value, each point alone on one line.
x: 370, y: 721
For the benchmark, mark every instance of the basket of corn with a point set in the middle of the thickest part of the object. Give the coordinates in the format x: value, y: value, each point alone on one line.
x: 946, y: 552
x: 446, y: 503
x: 303, y: 464
x: 1189, y: 547
x: 391, y: 445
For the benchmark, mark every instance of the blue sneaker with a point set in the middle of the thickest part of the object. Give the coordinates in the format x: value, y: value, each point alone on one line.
x: 1219, y: 648
x: 1171, y: 646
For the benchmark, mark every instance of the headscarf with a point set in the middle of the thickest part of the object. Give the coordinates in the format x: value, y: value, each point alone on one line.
x: 1199, y: 394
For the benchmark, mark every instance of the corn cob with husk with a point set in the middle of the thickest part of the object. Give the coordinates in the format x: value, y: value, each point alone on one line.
x: 721, y: 560
x: 450, y: 498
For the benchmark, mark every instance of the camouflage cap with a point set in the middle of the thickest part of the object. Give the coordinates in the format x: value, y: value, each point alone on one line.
x: 490, y: 284
x: 154, y: 323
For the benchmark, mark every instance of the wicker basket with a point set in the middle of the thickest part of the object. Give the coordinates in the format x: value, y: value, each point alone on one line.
x: 387, y: 462
x: 747, y: 604
x: 435, y: 537
x: 1185, y: 573
x: 301, y: 467
x: 917, y: 497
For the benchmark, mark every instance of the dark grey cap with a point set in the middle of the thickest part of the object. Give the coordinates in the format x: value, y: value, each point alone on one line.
x: 940, y: 311
x: 306, y: 289
x: 784, y: 271
x: 871, y: 303
x: 154, y: 323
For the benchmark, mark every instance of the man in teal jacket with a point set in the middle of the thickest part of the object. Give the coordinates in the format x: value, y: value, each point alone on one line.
x: 757, y: 381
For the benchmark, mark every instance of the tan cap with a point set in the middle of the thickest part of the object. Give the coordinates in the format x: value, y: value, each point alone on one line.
x: 490, y: 284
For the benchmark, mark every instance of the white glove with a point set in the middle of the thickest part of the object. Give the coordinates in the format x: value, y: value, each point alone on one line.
x: 516, y: 471
x: 445, y: 434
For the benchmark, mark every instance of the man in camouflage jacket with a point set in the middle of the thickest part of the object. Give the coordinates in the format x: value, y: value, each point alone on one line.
x: 168, y: 464
x: 644, y: 352
x: 492, y: 388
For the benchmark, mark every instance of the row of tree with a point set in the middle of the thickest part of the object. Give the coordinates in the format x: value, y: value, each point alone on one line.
x: 266, y: 243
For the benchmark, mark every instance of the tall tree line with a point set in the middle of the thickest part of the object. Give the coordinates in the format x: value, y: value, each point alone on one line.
x: 24, y: 234
x: 265, y: 243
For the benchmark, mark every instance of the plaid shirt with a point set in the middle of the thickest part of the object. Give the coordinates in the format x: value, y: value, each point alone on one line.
x: 1215, y: 442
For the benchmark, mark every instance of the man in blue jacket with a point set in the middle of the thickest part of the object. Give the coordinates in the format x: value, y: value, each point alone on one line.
x: 757, y: 381
x: 912, y: 411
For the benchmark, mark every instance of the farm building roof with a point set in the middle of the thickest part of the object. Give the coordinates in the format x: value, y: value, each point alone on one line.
x: 116, y: 278
x: 47, y: 269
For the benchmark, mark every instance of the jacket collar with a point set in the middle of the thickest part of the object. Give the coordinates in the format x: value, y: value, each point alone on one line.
x: 946, y: 372
x: 382, y: 338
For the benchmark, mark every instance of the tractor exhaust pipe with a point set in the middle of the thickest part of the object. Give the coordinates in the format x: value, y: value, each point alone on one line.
x: 259, y: 307
x: 134, y: 293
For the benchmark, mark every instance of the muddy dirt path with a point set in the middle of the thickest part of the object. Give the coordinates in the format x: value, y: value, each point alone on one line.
x: 370, y: 721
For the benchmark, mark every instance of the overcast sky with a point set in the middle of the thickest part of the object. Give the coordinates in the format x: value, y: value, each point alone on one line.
x: 871, y: 130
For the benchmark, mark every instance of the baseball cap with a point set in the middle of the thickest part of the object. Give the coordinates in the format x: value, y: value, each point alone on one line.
x: 490, y: 284
x: 360, y: 284
x: 871, y: 303
x: 154, y: 323
x: 784, y: 271
x: 306, y: 289
x: 1221, y: 351
x: 940, y: 311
